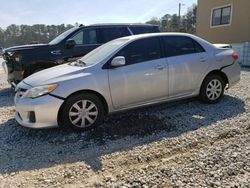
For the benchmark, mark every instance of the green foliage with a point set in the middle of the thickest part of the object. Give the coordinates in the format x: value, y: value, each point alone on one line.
x: 15, y: 35
x: 174, y: 23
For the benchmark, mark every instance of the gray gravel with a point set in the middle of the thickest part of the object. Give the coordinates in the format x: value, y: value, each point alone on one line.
x: 180, y: 144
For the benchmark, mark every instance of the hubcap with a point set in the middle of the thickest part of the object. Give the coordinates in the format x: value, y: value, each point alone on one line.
x: 83, y: 113
x: 214, y: 89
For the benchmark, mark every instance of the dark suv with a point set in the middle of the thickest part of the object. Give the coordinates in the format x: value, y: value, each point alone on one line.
x: 22, y: 61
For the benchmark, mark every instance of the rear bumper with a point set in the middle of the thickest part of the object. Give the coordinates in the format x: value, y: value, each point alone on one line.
x: 38, y: 113
x: 233, y: 73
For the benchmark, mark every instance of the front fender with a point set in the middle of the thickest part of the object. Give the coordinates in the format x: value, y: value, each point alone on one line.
x: 89, y: 82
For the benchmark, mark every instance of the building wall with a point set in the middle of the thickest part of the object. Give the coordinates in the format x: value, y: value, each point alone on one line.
x: 237, y: 32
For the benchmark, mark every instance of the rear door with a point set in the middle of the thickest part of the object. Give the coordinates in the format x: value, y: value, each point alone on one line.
x: 110, y: 33
x: 144, y: 29
x: 144, y: 78
x: 187, y: 62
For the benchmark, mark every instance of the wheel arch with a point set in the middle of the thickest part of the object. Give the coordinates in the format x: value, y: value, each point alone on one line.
x: 100, y: 96
x: 217, y: 72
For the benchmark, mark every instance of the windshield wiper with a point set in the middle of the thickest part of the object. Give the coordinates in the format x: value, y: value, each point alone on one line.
x: 79, y: 63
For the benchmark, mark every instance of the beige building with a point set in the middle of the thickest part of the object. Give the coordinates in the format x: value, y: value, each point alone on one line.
x: 226, y: 22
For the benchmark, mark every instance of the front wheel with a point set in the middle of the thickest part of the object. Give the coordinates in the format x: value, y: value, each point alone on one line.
x: 212, y: 89
x: 81, y: 112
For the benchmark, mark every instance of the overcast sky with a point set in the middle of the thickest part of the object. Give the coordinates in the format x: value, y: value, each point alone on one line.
x: 85, y: 11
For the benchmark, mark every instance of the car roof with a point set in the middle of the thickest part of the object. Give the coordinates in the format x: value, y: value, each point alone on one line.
x: 145, y: 35
x: 204, y: 43
x: 121, y: 24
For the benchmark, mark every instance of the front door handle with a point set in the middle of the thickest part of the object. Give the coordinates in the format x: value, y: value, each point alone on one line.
x: 203, y: 59
x: 159, y: 67
x: 56, y: 52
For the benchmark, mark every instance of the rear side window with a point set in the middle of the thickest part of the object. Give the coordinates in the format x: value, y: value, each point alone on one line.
x: 86, y: 37
x: 178, y: 45
x: 141, y: 29
x: 108, y: 34
x: 141, y: 50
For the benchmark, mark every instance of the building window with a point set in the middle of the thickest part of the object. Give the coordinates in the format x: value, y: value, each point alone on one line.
x: 221, y: 16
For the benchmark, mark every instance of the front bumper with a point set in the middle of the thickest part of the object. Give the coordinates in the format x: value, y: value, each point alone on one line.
x: 44, y: 111
x: 14, y: 73
x: 4, y: 67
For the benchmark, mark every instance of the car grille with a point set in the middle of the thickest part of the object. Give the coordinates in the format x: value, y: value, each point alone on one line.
x: 5, y: 57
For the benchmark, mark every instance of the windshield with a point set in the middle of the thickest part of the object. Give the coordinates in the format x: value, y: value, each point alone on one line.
x: 62, y: 36
x: 99, y: 54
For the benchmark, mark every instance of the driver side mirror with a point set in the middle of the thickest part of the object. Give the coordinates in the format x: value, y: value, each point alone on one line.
x: 70, y: 43
x: 118, y: 61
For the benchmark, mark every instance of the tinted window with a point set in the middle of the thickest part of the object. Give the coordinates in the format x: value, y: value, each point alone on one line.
x: 221, y: 16
x: 85, y: 37
x: 62, y: 36
x: 175, y: 45
x: 109, y: 34
x: 141, y: 50
x: 198, y: 47
x: 140, y: 29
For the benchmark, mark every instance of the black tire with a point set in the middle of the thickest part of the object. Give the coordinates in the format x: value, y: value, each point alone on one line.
x: 64, y: 119
x: 204, y: 93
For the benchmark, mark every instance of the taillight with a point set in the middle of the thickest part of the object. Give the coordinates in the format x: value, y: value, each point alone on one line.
x: 235, y: 56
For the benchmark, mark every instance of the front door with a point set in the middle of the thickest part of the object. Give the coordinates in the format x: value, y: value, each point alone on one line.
x: 144, y: 78
x: 86, y: 41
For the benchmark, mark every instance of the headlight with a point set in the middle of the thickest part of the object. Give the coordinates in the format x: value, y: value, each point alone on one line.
x: 39, y: 91
x: 10, y: 54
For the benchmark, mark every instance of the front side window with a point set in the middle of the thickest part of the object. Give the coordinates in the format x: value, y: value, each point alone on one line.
x: 102, y: 52
x: 179, y: 45
x: 62, y: 36
x: 86, y: 37
x: 141, y: 50
x: 221, y: 16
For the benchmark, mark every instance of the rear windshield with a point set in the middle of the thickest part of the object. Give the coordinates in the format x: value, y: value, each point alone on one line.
x: 142, y: 29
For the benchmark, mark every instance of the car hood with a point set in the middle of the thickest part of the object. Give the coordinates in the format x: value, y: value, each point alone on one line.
x: 55, y: 74
x: 26, y: 47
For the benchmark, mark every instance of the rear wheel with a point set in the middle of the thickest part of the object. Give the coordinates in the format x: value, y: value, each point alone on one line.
x: 81, y: 112
x: 212, y: 89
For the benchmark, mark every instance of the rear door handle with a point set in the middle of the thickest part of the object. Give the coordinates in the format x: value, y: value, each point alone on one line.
x: 159, y: 67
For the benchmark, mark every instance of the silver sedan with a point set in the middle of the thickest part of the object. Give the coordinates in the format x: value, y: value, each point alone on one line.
x: 126, y: 73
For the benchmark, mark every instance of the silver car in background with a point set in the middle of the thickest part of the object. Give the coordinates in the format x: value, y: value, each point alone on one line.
x: 123, y: 74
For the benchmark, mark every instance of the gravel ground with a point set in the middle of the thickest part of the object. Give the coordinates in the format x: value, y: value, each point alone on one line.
x: 180, y: 144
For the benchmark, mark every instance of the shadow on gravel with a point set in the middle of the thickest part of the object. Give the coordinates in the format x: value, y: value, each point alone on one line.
x: 23, y: 149
x: 6, y: 97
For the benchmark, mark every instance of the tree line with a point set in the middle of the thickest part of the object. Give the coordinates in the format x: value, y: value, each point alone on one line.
x: 15, y: 35
x: 175, y: 23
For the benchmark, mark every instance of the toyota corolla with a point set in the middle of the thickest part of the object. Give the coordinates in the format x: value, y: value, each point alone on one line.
x: 126, y: 73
